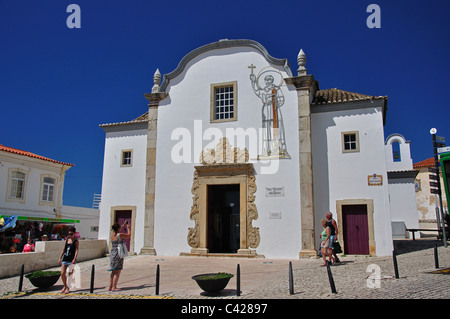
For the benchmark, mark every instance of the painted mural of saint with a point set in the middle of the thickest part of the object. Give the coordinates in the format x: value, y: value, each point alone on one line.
x: 274, y: 143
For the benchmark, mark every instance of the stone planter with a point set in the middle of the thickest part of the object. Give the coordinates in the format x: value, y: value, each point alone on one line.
x: 43, y: 279
x: 213, y: 283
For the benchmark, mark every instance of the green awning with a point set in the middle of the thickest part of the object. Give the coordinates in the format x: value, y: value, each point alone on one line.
x: 43, y: 219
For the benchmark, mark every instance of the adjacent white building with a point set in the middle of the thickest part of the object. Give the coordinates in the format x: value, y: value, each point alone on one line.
x: 236, y: 155
x: 31, y: 187
x: 401, y: 176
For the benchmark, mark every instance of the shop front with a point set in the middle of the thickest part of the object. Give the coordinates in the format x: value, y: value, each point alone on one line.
x: 12, y: 240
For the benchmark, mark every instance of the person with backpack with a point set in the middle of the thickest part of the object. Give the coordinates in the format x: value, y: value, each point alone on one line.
x: 333, y: 234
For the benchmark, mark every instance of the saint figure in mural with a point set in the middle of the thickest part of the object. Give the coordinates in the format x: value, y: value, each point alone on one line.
x: 274, y: 143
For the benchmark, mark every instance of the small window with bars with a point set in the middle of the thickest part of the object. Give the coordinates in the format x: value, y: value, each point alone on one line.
x: 350, y: 142
x: 127, y: 158
x: 223, y: 102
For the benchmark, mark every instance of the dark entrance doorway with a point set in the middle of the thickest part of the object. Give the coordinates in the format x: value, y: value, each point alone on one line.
x: 223, y: 218
x: 355, y: 229
x: 120, y: 218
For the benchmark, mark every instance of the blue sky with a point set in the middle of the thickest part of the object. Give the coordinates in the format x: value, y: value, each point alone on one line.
x: 58, y: 84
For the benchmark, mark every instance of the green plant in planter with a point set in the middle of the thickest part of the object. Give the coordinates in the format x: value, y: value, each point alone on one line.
x: 213, y: 283
x: 220, y: 275
x: 43, y: 279
x: 40, y: 273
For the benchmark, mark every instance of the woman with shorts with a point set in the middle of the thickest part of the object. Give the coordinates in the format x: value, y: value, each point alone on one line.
x: 325, y: 243
x: 68, y: 257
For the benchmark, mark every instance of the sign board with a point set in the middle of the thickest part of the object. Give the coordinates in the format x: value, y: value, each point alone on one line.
x: 45, y: 219
x: 418, y: 185
x: 275, y: 215
x: 435, y: 191
x: 440, y: 139
x: 434, y: 176
x: 443, y: 149
x: 433, y: 170
x: 275, y: 191
x: 375, y: 180
x: 434, y: 184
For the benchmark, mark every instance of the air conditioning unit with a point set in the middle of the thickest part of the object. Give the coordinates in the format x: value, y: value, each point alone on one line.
x: 398, y: 230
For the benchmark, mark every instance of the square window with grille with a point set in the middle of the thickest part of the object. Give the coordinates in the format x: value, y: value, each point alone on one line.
x: 127, y: 157
x: 350, y: 142
x: 223, y: 100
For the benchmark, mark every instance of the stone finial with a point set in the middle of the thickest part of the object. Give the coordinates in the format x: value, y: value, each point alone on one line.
x: 301, y: 60
x: 156, y: 81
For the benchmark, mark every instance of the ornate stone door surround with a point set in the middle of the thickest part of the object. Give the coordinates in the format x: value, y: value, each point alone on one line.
x: 223, y: 173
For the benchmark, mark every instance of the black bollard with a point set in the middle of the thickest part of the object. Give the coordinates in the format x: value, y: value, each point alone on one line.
x: 394, y: 257
x: 330, y: 277
x: 436, y: 258
x: 91, y: 289
x: 238, y: 280
x: 22, y: 271
x: 157, y: 281
x: 291, y: 280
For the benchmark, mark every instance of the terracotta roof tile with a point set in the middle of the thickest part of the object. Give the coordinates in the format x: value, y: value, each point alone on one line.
x: 429, y: 162
x: 141, y: 119
x: 29, y: 154
x: 329, y: 96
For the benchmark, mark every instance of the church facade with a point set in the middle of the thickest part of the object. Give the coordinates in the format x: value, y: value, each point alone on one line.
x: 238, y: 156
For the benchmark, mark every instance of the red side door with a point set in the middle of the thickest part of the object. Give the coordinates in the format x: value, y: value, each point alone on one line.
x: 121, y: 217
x: 355, y: 229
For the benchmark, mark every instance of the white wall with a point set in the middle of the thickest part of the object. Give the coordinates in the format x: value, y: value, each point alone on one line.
x: 124, y: 186
x: 88, y: 217
x: 342, y: 176
x: 403, y: 203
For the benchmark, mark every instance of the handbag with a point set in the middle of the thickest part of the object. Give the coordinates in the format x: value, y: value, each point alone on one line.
x: 122, y: 248
x: 337, y: 247
x: 123, y: 252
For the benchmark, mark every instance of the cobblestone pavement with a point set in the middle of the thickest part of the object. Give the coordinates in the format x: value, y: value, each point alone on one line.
x: 356, y: 277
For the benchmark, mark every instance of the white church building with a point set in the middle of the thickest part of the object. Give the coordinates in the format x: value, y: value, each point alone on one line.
x: 236, y: 155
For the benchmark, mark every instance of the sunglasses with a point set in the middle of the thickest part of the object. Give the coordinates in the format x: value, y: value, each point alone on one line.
x: 70, y: 234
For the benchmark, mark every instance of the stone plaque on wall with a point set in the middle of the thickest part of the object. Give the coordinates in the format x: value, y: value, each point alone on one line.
x: 275, y: 191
